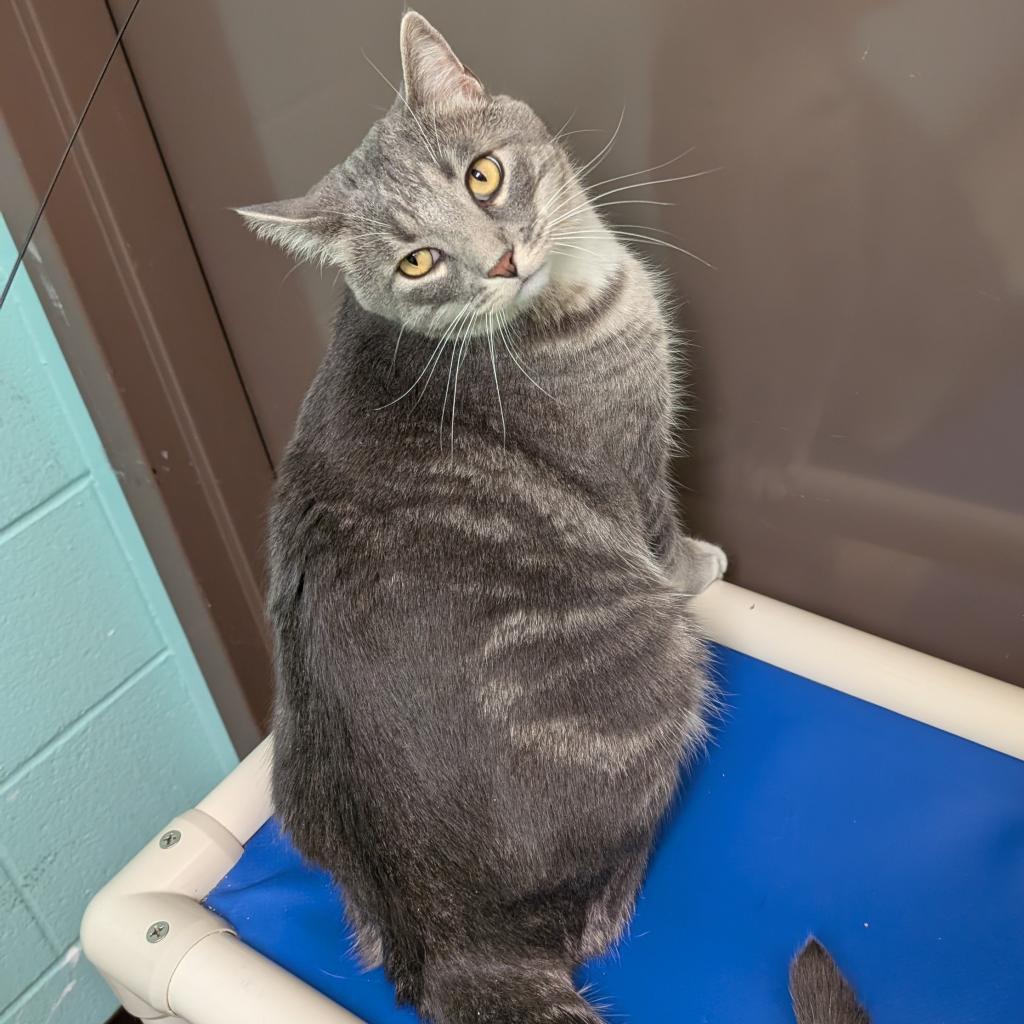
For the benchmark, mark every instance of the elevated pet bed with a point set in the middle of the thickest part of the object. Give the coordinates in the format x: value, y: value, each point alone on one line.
x: 855, y: 789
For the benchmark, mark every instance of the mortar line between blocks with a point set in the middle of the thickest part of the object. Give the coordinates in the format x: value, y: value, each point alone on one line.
x: 25, y: 895
x: 80, y: 723
x: 59, y: 963
x: 46, y: 506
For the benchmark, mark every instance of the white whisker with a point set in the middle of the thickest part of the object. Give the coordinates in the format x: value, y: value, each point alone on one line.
x: 596, y: 255
x: 394, y: 355
x: 565, y: 125
x: 646, y: 170
x: 506, y: 340
x: 289, y: 273
x: 424, y: 370
x: 635, y: 237
x: 437, y: 140
x: 444, y: 401
x: 615, y: 202
x: 494, y: 368
x: 642, y: 184
x: 633, y: 174
x: 588, y: 166
x: 642, y: 227
x: 430, y: 376
x: 455, y: 390
x: 599, y: 157
x: 422, y: 130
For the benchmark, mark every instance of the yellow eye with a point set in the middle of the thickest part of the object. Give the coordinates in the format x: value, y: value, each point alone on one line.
x: 484, y: 177
x: 417, y: 263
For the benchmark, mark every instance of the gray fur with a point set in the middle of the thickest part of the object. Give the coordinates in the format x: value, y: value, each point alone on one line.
x: 487, y: 673
x: 821, y: 995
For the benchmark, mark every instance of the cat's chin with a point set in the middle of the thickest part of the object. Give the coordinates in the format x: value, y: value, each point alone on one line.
x: 532, y: 287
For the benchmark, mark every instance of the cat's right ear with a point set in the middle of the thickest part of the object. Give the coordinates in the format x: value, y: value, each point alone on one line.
x: 433, y: 75
x: 297, y: 225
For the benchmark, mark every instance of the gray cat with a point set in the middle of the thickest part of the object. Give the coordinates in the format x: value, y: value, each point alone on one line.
x: 487, y: 673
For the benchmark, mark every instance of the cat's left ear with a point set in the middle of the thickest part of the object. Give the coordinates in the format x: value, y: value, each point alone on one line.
x: 434, y: 76
x: 298, y: 225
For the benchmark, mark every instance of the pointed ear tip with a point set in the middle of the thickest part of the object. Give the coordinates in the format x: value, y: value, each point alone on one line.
x: 412, y: 19
x: 414, y: 22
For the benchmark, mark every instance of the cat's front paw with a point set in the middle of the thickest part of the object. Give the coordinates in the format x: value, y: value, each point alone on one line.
x: 700, y: 564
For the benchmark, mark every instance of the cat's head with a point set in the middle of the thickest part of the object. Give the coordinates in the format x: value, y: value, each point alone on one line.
x: 448, y: 205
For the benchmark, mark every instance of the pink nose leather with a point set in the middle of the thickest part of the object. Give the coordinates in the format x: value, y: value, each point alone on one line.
x: 505, y: 267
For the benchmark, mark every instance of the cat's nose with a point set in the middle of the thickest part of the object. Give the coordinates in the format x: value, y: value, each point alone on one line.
x: 505, y: 267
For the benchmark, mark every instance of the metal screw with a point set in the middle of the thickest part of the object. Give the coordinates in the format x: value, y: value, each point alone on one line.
x: 168, y: 839
x: 157, y: 931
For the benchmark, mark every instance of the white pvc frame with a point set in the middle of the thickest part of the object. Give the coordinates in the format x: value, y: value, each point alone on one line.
x: 199, y: 972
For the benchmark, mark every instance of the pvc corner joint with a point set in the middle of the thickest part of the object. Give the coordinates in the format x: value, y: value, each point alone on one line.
x: 138, y: 928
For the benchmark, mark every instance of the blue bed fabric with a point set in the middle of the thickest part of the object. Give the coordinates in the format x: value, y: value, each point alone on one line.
x: 900, y: 846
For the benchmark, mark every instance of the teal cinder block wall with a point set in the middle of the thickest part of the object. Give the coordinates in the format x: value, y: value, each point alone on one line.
x: 106, y: 726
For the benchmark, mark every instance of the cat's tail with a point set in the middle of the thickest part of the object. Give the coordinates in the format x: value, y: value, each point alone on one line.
x: 473, y: 988
x: 821, y: 995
